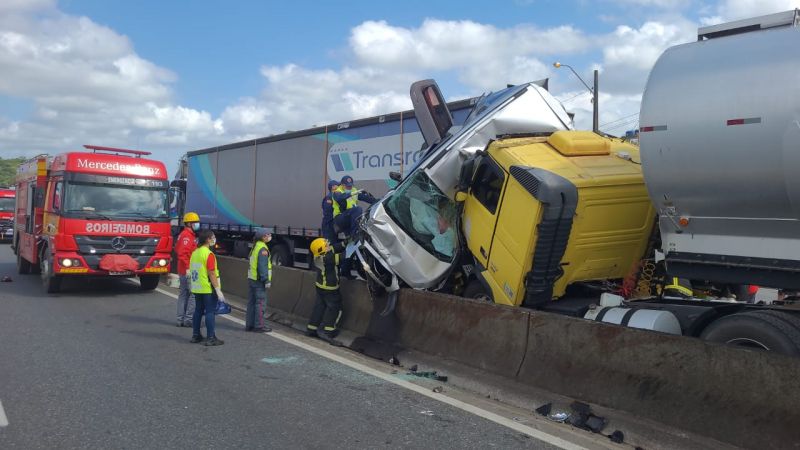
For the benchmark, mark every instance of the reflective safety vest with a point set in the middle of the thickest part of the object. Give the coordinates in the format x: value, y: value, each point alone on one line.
x: 336, y: 208
x: 252, y: 274
x: 201, y: 284
x: 327, y: 280
x: 352, y: 200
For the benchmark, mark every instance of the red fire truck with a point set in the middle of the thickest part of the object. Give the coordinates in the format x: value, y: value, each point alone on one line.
x: 6, y: 214
x: 98, y: 213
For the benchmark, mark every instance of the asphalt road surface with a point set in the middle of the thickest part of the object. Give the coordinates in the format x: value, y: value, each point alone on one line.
x: 102, y: 365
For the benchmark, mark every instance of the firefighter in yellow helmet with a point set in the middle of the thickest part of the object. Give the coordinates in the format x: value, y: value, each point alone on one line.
x: 328, y: 306
x: 184, y: 246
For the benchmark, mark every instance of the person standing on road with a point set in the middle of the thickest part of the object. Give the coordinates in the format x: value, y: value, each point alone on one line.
x: 206, y: 287
x: 330, y: 209
x: 259, y: 279
x: 328, y: 305
x: 184, y: 246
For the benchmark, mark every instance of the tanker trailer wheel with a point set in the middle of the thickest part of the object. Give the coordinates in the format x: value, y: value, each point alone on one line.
x: 762, y: 330
x: 149, y: 282
x: 281, y: 256
x: 50, y: 282
x: 477, y: 291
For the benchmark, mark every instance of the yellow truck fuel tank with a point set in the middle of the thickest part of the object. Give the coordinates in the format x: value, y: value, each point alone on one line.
x: 545, y: 212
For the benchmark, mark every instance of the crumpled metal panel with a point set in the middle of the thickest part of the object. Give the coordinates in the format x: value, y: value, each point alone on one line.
x: 532, y: 110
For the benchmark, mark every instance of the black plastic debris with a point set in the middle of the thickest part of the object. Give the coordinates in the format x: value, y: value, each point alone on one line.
x: 442, y: 378
x: 544, y: 409
x: 394, y: 361
x: 584, y: 419
x: 6, y: 279
x: 617, y: 437
x: 595, y: 423
x: 413, y: 368
x: 438, y: 389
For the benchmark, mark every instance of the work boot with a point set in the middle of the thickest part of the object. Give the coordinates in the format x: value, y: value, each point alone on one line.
x: 213, y: 342
x: 197, y: 339
x: 261, y: 330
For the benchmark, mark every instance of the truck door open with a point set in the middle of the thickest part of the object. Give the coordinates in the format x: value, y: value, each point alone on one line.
x: 482, y: 208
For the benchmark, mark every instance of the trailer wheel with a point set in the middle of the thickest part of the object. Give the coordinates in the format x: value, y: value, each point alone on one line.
x: 281, y: 256
x: 763, y: 330
x: 23, y: 265
x: 149, y: 282
x: 477, y: 291
x: 51, y: 282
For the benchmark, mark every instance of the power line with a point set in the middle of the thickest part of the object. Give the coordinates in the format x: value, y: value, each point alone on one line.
x: 620, y: 119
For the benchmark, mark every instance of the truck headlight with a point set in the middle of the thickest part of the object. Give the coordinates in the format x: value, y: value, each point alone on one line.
x: 66, y: 262
x: 162, y: 262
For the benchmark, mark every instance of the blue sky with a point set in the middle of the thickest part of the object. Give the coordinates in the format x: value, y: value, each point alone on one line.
x: 173, y: 76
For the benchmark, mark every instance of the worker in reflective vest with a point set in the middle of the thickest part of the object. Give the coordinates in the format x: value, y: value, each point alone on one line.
x: 206, y: 287
x: 259, y: 279
x: 346, y: 197
x: 328, y: 305
x: 330, y: 209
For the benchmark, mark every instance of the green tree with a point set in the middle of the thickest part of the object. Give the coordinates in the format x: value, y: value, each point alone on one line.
x: 8, y: 170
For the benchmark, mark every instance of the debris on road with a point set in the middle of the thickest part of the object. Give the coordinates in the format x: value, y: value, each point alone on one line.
x: 617, y: 437
x: 438, y: 389
x: 433, y: 375
x: 544, y: 410
x: 560, y: 417
x: 394, y: 361
x: 413, y: 368
x: 6, y: 279
x: 584, y: 419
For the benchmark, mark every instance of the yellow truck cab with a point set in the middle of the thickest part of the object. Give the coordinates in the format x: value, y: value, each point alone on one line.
x: 543, y: 212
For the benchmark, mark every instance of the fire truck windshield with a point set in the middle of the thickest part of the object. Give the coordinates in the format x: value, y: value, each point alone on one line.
x: 114, y: 201
x: 6, y: 204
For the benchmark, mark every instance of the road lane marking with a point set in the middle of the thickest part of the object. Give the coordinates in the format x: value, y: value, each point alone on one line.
x: 3, y: 417
x: 488, y: 415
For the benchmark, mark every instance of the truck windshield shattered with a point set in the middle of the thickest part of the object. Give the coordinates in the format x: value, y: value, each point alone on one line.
x: 426, y: 215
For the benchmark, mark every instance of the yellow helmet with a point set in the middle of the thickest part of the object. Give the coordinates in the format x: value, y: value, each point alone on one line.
x: 191, y: 217
x: 319, y: 246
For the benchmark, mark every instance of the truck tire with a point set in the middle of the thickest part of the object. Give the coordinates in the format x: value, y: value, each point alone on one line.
x: 762, y: 330
x: 476, y: 290
x: 23, y: 265
x: 50, y: 282
x: 281, y: 256
x: 149, y: 282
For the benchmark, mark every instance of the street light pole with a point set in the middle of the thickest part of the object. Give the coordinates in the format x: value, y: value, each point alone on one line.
x: 595, y: 107
x: 595, y: 110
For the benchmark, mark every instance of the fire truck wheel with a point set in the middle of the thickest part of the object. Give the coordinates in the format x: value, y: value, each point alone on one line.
x: 51, y: 283
x: 762, y: 330
x: 149, y: 282
x: 23, y: 265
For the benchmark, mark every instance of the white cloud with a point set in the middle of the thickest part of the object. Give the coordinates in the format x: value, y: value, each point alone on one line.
x: 639, y: 48
x: 728, y: 10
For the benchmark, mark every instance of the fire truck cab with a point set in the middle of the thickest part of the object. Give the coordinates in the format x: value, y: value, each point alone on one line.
x: 100, y: 213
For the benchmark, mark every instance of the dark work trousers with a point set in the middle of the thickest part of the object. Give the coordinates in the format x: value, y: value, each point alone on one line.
x: 205, y: 305
x: 327, y: 311
x: 256, y: 305
x: 347, y: 221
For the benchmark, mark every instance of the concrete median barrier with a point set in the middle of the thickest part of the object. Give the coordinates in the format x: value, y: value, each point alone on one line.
x: 744, y: 397
x: 357, y: 306
x: 285, y: 291
x: 233, y: 272
x: 307, y: 295
x: 479, y: 334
